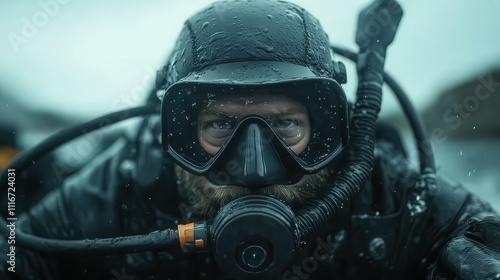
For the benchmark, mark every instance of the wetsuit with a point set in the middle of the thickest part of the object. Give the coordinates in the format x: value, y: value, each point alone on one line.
x: 396, y: 228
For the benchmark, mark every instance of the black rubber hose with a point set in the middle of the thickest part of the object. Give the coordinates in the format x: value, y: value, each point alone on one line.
x: 154, y: 241
x: 28, y: 157
x: 370, y: 61
x: 313, y: 219
x: 425, y: 153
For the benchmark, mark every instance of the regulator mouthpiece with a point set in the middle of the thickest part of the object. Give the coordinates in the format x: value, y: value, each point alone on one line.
x: 254, y: 237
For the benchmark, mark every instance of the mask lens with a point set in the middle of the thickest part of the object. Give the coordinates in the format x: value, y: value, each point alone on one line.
x: 287, y: 118
x: 291, y: 130
x: 214, y: 129
x: 308, y: 117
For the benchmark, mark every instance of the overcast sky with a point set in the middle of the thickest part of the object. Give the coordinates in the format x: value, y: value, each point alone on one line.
x: 87, y: 58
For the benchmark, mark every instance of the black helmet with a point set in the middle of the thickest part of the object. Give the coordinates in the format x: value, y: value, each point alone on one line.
x: 257, y: 46
x: 251, y: 30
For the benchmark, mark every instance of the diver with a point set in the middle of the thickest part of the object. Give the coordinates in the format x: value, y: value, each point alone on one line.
x: 257, y: 167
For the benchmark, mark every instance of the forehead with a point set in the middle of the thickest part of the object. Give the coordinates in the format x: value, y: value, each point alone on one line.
x: 261, y: 104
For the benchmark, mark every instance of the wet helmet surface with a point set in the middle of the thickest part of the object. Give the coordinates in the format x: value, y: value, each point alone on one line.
x: 250, y: 30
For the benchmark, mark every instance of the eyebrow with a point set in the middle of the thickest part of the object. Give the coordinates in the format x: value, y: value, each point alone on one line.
x: 288, y: 111
x: 219, y: 114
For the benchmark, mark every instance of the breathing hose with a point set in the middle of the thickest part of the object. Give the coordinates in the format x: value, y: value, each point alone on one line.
x: 425, y: 155
x: 370, y: 63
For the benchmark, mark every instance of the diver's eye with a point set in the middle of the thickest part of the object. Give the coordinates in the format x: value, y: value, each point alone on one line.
x: 285, y: 124
x: 291, y: 130
x: 221, y: 125
x: 216, y: 131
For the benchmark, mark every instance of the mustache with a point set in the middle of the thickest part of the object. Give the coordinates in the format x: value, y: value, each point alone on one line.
x: 223, y: 194
x: 205, y: 198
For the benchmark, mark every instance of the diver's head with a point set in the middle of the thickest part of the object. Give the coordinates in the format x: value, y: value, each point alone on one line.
x: 252, y: 102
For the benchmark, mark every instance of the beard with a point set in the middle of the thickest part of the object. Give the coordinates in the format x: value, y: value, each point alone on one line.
x: 204, y: 199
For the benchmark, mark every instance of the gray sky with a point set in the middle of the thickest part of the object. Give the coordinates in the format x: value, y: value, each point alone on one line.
x: 88, y: 58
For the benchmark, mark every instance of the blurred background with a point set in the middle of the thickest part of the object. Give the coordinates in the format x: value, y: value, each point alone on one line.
x: 68, y: 61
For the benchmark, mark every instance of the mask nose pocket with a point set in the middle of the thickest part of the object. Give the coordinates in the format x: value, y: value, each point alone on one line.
x: 260, y: 159
x: 255, y: 158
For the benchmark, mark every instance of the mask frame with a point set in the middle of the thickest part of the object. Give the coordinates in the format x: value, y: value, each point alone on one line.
x: 331, y: 119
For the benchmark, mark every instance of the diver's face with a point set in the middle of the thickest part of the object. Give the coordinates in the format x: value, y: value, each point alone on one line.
x: 215, y: 122
x: 288, y: 118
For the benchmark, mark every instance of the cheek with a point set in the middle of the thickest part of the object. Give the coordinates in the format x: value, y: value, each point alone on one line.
x: 212, y: 150
x: 302, y: 144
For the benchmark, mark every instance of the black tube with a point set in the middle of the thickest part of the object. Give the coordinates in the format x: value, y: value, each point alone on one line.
x: 154, y: 241
x: 426, y: 155
x: 97, y: 246
x: 313, y: 219
x: 28, y: 157
x: 370, y: 61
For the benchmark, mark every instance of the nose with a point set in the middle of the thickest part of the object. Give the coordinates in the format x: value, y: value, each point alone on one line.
x: 255, y: 158
x: 261, y: 164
